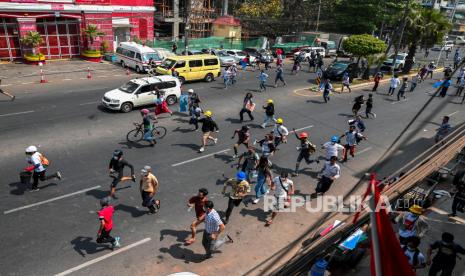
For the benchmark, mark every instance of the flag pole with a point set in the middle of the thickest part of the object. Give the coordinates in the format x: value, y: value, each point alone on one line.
x: 374, y: 228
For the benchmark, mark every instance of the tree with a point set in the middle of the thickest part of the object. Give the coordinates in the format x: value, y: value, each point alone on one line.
x: 261, y: 15
x: 425, y: 28
x: 92, y: 32
x: 32, y: 39
x: 358, y: 16
x: 364, y: 45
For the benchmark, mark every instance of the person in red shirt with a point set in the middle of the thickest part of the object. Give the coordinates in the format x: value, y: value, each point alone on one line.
x: 105, y: 216
x: 198, y: 203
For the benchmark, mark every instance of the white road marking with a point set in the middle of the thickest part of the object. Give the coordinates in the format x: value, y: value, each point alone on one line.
x: 102, y: 76
x: 82, y: 78
x: 364, y: 150
x: 453, y: 113
x: 302, y: 128
x: 67, y: 79
x: 50, y: 200
x: 5, y: 85
x: 101, y: 258
x: 198, y: 158
x: 16, y: 113
x: 27, y: 82
x: 90, y: 103
x: 117, y: 75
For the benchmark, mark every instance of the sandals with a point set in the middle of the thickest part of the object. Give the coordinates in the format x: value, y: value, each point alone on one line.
x: 189, y: 241
x: 268, y: 222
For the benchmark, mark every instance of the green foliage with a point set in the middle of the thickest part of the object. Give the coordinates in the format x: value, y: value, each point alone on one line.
x: 92, y: 32
x: 32, y: 39
x: 261, y: 9
x: 358, y: 16
x: 105, y: 45
x: 364, y: 45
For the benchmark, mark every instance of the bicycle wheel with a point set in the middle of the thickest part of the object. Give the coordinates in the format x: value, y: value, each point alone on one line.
x: 135, y: 135
x: 158, y: 132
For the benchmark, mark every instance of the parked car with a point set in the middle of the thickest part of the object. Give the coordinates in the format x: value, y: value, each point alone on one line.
x: 400, y: 62
x: 330, y: 48
x: 265, y: 56
x: 135, y: 56
x: 336, y: 70
x: 238, y: 55
x: 447, y: 46
x: 191, y: 68
x: 140, y: 92
x: 307, y: 52
x: 459, y: 40
x: 225, y: 58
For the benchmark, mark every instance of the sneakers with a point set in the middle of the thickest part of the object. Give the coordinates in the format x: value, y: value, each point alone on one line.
x: 263, y: 126
x: 297, y: 148
x: 202, y: 149
x: 235, y: 156
x: 134, y: 178
x: 295, y: 174
x: 230, y: 240
x: 255, y: 201
x: 255, y: 142
x: 215, y: 140
x: 58, y: 175
x: 13, y: 98
x: 116, y: 243
x: 34, y: 190
x: 451, y: 215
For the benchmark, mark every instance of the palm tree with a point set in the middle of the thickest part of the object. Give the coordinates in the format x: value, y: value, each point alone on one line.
x: 92, y: 32
x: 32, y: 39
x: 425, y: 27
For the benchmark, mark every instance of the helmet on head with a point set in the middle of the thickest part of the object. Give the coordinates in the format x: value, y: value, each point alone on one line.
x: 208, y: 113
x: 335, y: 139
x: 146, y: 170
x: 269, y: 101
x: 145, y: 111
x: 241, y: 176
x: 31, y: 149
x: 190, y: 91
x: 279, y: 121
x: 415, y: 209
x: 105, y: 201
x: 118, y: 153
x: 303, y: 135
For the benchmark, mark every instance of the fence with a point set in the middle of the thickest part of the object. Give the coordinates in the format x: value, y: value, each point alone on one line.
x: 210, y: 42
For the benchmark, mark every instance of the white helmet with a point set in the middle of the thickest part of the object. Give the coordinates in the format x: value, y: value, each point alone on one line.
x: 31, y: 149
x: 190, y: 90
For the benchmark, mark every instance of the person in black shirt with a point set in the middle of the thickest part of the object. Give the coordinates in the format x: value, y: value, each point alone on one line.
x: 243, y: 137
x: 369, y: 107
x: 445, y: 259
x: 116, y: 167
x: 269, y: 113
x: 306, y: 149
x: 459, y: 199
x: 208, y: 126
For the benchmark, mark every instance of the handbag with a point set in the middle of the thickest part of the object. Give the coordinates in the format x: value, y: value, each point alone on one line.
x: 250, y: 106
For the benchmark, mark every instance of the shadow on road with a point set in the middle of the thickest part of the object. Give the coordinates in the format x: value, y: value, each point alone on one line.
x: 86, y: 246
x: 183, y: 130
x: 177, y: 251
x: 135, y: 213
x: 316, y: 102
x: 258, y: 213
x: 180, y: 235
x: 194, y: 147
x: 20, y: 188
x: 233, y: 120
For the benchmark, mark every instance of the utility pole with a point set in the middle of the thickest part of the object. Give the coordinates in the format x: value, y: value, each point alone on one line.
x: 318, y: 16
x: 404, y: 22
x: 187, y: 10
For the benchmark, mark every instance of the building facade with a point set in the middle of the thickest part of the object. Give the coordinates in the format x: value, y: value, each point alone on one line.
x: 60, y: 23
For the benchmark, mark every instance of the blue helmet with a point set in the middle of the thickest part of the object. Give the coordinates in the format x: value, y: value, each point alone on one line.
x: 241, y: 176
x: 335, y: 139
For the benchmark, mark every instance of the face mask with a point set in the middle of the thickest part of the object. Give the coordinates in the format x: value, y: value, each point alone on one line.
x: 410, y: 248
x: 115, y: 157
x: 145, y: 174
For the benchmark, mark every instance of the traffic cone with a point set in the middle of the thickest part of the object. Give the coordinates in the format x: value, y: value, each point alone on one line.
x: 42, y: 78
x: 127, y: 72
x: 89, y: 76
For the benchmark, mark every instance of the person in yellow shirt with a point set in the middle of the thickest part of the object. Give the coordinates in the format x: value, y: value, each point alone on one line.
x: 240, y: 188
x: 148, y: 189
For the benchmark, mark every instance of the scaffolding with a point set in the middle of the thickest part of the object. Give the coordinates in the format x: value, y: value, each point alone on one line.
x: 201, y: 15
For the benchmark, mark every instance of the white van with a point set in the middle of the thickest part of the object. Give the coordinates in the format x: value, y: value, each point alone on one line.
x: 135, y: 56
x: 140, y: 92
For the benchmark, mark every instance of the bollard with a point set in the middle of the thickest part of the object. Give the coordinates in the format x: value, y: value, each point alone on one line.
x: 42, y: 78
x: 89, y: 76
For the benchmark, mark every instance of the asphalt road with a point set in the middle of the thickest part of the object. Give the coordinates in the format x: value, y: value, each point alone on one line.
x: 79, y: 136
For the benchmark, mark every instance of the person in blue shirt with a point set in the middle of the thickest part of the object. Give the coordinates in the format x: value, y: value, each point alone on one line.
x: 262, y: 78
x: 147, y: 123
x: 445, y: 86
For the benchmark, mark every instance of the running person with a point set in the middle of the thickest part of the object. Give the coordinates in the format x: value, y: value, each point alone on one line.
x: 240, y: 188
x: 38, y: 167
x: 197, y: 202
x: 369, y: 107
x: 262, y: 78
x: 443, y: 129
x: 148, y: 189
x: 330, y: 172
x: 250, y: 163
x: 267, y: 145
x: 332, y: 147
x: 248, y: 107
x: 116, y: 167
x: 306, y: 149
x: 243, y: 138
x: 105, y: 216
x: 327, y: 87
x: 352, y: 137
x: 279, y: 76
x: 280, y: 132
x: 283, y: 188
x: 358, y: 102
x: 208, y: 126
x: 269, y: 113
x: 402, y: 89
x: 346, y: 82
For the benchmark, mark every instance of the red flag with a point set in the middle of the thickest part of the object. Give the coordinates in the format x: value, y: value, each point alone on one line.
x: 393, y: 260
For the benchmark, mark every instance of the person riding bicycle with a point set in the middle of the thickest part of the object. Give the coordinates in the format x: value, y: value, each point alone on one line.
x: 147, y: 124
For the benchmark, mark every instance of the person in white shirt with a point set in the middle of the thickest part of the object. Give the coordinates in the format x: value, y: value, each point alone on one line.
x: 415, y: 258
x: 332, y: 147
x: 394, y: 83
x: 38, y: 166
x: 330, y: 172
x: 280, y: 132
x: 283, y: 188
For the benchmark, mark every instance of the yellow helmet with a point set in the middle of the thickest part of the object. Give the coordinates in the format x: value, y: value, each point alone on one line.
x: 208, y: 113
x: 269, y: 101
x: 279, y: 121
x: 415, y: 209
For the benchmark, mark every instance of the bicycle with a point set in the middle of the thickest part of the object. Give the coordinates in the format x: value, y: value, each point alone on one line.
x: 137, y: 134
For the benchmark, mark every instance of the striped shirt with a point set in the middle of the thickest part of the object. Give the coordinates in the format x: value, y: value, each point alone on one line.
x: 212, y: 222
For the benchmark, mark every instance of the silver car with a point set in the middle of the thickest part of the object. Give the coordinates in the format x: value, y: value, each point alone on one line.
x: 225, y: 59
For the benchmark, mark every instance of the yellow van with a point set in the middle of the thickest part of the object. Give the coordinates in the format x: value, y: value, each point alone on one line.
x: 191, y: 68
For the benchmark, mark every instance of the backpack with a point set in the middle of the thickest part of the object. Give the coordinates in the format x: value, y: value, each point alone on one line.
x: 44, y: 161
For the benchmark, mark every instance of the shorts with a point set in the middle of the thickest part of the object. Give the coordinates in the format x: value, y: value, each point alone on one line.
x: 206, y: 134
x: 280, y: 203
x: 116, y: 179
